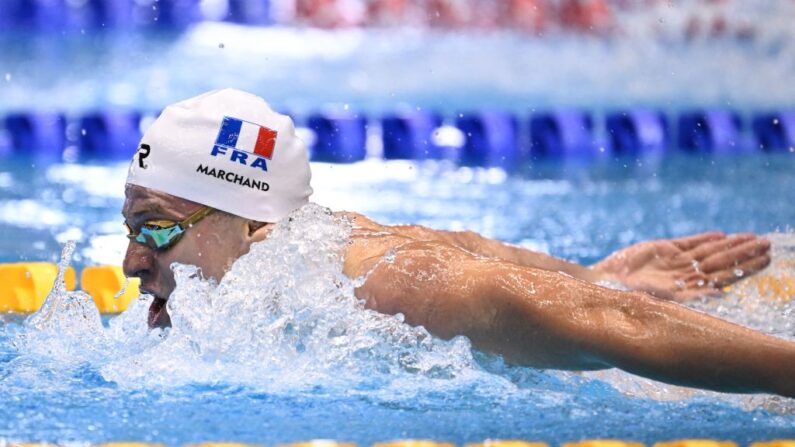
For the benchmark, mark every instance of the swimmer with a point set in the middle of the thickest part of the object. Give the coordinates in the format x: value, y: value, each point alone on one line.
x: 215, y: 173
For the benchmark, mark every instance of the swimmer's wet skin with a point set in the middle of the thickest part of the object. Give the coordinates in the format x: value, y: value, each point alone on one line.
x: 531, y: 308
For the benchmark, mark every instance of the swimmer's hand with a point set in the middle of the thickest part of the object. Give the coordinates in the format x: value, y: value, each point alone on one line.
x: 686, y: 268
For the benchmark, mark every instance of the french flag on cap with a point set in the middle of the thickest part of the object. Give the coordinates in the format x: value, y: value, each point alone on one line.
x: 246, y: 136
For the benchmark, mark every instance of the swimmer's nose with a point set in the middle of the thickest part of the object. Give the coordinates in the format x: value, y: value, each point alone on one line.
x: 138, y: 262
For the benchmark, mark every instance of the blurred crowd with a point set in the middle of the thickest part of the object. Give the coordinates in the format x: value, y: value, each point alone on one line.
x: 529, y: 15
x: 705, y: 17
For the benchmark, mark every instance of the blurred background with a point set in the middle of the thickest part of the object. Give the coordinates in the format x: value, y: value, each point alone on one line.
x: 126, y: 59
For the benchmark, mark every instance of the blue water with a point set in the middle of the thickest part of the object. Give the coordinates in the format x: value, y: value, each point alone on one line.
x: 578, y: 212
x: 106, y: 391
x: 300, y: 70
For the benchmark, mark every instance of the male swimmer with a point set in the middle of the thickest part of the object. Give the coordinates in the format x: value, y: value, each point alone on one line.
x: 215, y: 173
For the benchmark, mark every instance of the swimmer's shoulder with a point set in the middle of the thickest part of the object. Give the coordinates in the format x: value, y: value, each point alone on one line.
x: 370, y: 239
x: 364, y: 226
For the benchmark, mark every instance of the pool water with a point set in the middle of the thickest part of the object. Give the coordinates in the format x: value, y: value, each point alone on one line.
x: 277, y: 354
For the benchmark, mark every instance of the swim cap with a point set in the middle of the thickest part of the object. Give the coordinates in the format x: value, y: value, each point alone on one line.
x: 229, y: 150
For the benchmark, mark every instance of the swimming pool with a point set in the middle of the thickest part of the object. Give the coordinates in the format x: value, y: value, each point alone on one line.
x: 257, y: 368
x: 292, y: 380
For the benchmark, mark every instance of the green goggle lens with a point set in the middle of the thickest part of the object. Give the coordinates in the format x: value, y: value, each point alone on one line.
x: 159, y: 237
x: 161, y: 234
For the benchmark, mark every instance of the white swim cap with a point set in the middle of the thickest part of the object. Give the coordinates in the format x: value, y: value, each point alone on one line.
x: 229, y: 150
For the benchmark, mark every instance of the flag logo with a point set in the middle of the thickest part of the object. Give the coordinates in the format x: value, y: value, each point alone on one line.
x: 245, y: 138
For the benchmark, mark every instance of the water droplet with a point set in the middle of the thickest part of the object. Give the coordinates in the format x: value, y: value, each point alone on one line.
x: 739, y: 273
x: 700, y: 282
x: 123, y: 288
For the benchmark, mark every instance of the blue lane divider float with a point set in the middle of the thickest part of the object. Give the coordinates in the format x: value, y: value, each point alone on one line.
x: 60, y: 15
x: 25, y: 14
x: 110, y: 134
x: 491, y: 139
x: 167, y: 13
x: 485, y: 138
x: 250, y: 12
x: 339, y: 137
x: 408, y: 135
x: 107, y: 13
x: 637, y: 132
x: 710, y: 131
x: 562, y: 134
x: 775, y: 131
x: 39, y: 132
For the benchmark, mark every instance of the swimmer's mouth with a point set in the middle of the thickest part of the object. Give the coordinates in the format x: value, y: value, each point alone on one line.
x: 158, y: 315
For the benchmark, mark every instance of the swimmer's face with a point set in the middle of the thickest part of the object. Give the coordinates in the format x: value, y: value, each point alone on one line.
x: 212, y: 244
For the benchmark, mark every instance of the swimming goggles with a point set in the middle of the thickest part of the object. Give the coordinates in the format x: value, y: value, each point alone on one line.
x: 162, y: 234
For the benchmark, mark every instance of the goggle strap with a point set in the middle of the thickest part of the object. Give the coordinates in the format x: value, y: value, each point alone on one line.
x: 195, y: 217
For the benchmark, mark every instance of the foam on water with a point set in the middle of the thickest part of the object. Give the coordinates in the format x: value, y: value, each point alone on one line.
x: 285, y: 319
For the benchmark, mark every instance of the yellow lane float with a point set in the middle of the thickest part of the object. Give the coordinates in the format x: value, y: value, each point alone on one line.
x: 103, y: 282
x: 319, y: 443
x: 25, y: 285
x: 507, y: 443
x: 413, y: 443
x: 603, y: 443
x: 696, y: 443
x: 775, y: 443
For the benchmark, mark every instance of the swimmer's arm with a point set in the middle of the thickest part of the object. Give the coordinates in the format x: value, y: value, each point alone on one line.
x: 543, y: 319
x: 483, y: 246
x: 677, y: 269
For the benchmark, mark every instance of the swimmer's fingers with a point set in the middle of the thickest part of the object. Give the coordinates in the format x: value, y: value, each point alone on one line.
x: 735, y: 255
x: 735, y: 273
x: 692, y: 294
x: 690, y: 242
x: 710, y: 248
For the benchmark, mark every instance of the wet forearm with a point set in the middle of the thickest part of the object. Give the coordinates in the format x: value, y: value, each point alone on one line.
x: 483, y: 246
x: 691, y: 348
x: 570, y: 324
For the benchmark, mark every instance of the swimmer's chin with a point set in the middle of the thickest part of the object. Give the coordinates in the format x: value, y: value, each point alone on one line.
x: 158, y: 315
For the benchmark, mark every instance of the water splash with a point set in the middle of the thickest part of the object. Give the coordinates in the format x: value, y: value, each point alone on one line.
x: 123, y: 289
x: 285, y: 319
x: 68, y: 326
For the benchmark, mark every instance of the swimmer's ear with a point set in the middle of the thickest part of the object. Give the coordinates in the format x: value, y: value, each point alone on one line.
x: 258, y: 231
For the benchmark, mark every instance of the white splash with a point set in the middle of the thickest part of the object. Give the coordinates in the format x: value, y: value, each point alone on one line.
x: 283, y: 318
